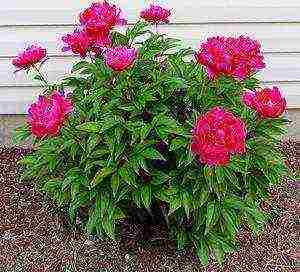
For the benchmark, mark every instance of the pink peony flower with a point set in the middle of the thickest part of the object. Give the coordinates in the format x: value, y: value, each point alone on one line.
x: 96, y: 23
x: 101, y: 17
x: 216, y: 135
x: 47, y: 115
x: 238, y: 57
x: 99, y: 41
x: 32, y: 55
x: 120, y: 58
x: 156, y: 14
x: 214, y: 155
x: 269, y: 103
x: 78, y: 42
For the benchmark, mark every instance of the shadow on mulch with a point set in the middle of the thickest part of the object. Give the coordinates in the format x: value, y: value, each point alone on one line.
x: 34, y: 238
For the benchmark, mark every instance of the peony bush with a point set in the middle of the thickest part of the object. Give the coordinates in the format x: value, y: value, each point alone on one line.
x: 144, y: 125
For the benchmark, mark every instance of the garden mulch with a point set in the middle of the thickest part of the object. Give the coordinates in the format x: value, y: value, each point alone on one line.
x: 34, y: 237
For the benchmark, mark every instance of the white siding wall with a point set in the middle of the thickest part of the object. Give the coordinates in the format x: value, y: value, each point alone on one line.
x: 276, y: 23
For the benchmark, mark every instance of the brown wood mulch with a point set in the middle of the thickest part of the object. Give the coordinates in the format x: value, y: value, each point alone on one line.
x: 34, y: 237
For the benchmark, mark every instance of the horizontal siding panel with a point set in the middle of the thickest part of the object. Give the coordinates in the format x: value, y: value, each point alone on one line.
x: 280, y: 67
x: 275, y: 23
x: 54, y: 69
x: 184, y: 12
x: 15, y: 100
x: 273, y: 37
x: 33, y: 4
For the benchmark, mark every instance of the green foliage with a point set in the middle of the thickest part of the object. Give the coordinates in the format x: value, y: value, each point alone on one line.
x: 20, y: 134
x: 128, y: 143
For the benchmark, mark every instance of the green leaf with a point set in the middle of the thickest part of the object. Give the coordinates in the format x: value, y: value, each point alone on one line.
x: 99, y: 152
x: 127, y: 175
x: 76, y: 203
x: 231, y: 177
x: 99, y: 177
x: 145, y: 130
x: 52, y: 185
x: 175, y: 83
x: 238, y: 164
x: 92, y: 142
x: 115, y: 183
x: 80, y: 65
x: 178, y: 143
x: 181, y: 239
x: 209, y: 174
x: 20, y: 134
x: 109, y: 122
x: 75, y: 82
x: 175, y: 203
x: 209, y: 215
x: 233, y: 202
x: 29, y: 160
x: 90, y: 127
x: 136, y: 30
x: 100, y: 69
x: 220, y: 174
x: 251, y: 83
x: 165, y: 125
x: 185, y: 159
x: 119, y: 38
x: 109, y: 227
x: 152, y: 154
x: 202, y: 251
x: 200, y: 198
x: 118, y: 214
x: 146, y: 195
x: 218, y: 253
x: 157, y: 43
x: 66, y: 182
x: 186, y: 202
x: 200, y: 217
x: 231, y: 222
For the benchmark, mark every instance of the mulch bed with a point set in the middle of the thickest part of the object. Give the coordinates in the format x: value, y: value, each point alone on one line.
x: 34, y: 237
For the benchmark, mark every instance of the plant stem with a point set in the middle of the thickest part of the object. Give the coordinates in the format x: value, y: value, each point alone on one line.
x: 44, y: 79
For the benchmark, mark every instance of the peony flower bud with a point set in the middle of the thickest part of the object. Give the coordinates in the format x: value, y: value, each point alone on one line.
x: 47, y: 115
x: 216, y: 135
x: 237, y: 57
x: 269, y: 103
x: 101, y: 17
x: 156, y: 14
x: 120, y: 58
x: 32, y: 55
x: 78, y: 42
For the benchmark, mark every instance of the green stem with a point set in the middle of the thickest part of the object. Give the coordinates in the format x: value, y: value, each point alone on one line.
x: 43, y: 77
x: 156, y: 28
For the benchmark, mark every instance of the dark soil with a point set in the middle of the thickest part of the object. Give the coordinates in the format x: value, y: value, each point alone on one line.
x: 34, y: 237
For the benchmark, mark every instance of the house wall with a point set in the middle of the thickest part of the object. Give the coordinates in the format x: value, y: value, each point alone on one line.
x: 275, y: 23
